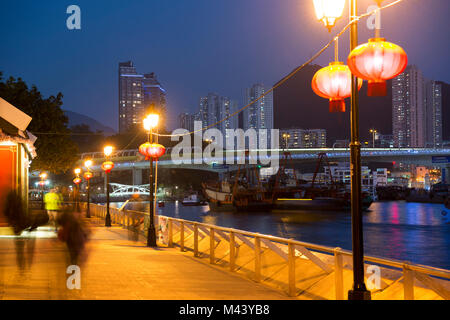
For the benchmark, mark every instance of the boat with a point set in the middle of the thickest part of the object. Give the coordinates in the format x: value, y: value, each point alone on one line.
x: 245, y: 193
x: 193, y: 200
x: 313, y: 196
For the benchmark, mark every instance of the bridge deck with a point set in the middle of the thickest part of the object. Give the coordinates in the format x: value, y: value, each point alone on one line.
x: 118, y: 268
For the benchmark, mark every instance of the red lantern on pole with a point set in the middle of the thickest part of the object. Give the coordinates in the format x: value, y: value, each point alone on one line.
x: 377, y: 61
x: 77, y: 181
x: 107, y: 166
x: 152, y: 150
x: 87, y: 175
x: 334, y: 83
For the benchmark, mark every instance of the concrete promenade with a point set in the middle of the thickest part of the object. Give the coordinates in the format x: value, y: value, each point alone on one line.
x: 116, y: 267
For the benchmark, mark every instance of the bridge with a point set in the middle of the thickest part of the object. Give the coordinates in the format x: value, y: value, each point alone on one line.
x: 132, y: 160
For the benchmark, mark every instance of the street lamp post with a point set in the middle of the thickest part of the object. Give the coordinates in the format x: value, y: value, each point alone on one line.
x: 77, y: 199
x: 328, y: 12
x: 151, y: 151
x: 107, y: 166
x: 43, y: 176
x: 373, y: 132
x: 88, y: 176
x: 286, y: 136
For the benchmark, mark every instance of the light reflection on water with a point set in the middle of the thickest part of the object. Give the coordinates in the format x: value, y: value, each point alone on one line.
x: 416, y: 232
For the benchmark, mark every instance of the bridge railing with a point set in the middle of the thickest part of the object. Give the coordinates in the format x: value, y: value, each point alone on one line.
x: 293, y: 266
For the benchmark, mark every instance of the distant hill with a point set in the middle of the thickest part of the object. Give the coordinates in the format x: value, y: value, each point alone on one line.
x: 297, y: 106
x: 94, y: 125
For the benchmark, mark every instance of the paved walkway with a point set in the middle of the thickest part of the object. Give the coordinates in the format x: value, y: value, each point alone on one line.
x: 116, y: 268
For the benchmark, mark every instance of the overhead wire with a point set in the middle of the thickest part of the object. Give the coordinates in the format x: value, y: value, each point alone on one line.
x: 287, y: 77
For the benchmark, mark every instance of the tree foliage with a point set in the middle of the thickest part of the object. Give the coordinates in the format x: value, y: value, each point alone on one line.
x: 55, y: 152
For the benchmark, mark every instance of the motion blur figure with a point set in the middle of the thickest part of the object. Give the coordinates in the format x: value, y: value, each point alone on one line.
x: 53, y: 204
x: 75, y: 234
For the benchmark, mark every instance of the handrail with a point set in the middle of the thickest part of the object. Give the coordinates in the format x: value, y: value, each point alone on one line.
x: 438, y: 272
x: 409, y: 270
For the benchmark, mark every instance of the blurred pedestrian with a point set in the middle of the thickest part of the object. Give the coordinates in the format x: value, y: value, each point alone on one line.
x: 53, y: 203
x: 75, y: 234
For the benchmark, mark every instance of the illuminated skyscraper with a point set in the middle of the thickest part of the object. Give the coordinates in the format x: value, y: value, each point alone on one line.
x: 131, y: 97
x: 259, y: 115
x: 409, y: 109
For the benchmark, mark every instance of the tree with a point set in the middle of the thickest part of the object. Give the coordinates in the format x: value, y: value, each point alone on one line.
x: 85, y: 139
x: 56, y: 152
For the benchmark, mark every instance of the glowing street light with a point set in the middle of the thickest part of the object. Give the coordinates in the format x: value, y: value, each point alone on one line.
x: 328, y: 11
x: 88, y: 175
x: 286, y: 137
x: 108, y: 150
x: 373, y: 132
x: 151, y: 151
x: 107, y: 166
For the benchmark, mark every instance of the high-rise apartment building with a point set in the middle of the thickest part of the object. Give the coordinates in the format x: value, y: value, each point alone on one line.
x: 137, y: 93
x: 186, y: 121
x: 409, y: 109
x: 258, y: 115
x: 416, y: 110
x: 131, y: 97
x: 214, y: 108
x: 296, y: 138
x: 433, y: 113
x: 154, y: 96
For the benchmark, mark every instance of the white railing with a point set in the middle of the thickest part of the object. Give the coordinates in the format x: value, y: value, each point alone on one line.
x: 291, y: 265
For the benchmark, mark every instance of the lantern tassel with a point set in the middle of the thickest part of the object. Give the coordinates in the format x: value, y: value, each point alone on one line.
x: 376, y: 89
x: 337, y: 105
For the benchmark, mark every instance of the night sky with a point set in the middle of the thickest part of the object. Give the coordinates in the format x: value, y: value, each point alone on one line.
x: 194, y: 47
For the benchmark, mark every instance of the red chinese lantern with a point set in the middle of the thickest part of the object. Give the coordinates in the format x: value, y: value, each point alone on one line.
x: 88, y: 175
x: 152, y: 150
x: 334, y: 83
x: 107, y: 166
x: 41, y: 183
x: 377, y: 61
x: 77, y: 180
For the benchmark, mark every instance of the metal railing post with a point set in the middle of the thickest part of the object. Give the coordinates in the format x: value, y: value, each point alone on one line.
x: 257, y: 259
x: 338, y: 274
x: 408, y: 283
x: 232, y: 251
x: 212, y: 244
x: 181, y: 236
x: 170, y: 233
x: 291, y: 265
x: 195, y: 240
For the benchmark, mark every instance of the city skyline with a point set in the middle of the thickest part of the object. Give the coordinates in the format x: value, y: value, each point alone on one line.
x: 187, y: 74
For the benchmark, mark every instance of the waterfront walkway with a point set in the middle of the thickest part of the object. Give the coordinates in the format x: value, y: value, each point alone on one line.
x: 116, y: 268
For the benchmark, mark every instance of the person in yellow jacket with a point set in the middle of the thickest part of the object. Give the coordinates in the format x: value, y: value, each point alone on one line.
x: 53, y: 203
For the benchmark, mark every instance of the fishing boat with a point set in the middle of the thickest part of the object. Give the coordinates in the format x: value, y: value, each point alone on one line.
x: 244, y: 193
x: 329, y: 196
x: 193, y: 200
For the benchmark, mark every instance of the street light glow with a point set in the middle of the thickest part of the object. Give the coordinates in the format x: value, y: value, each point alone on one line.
x: 151, y: 121
x: 77, y: 171
x: 43, y: 176
x: 88, y: 163
x: 328, y: 11
x: 108, y: 150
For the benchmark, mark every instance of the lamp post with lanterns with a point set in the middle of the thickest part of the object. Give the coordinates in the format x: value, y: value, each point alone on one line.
x: 88, y: 175
x: 151, y: 151
x: 107, y: 166
x: 43, y: 176
x: 77, y: 182
x: 376, y: 62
